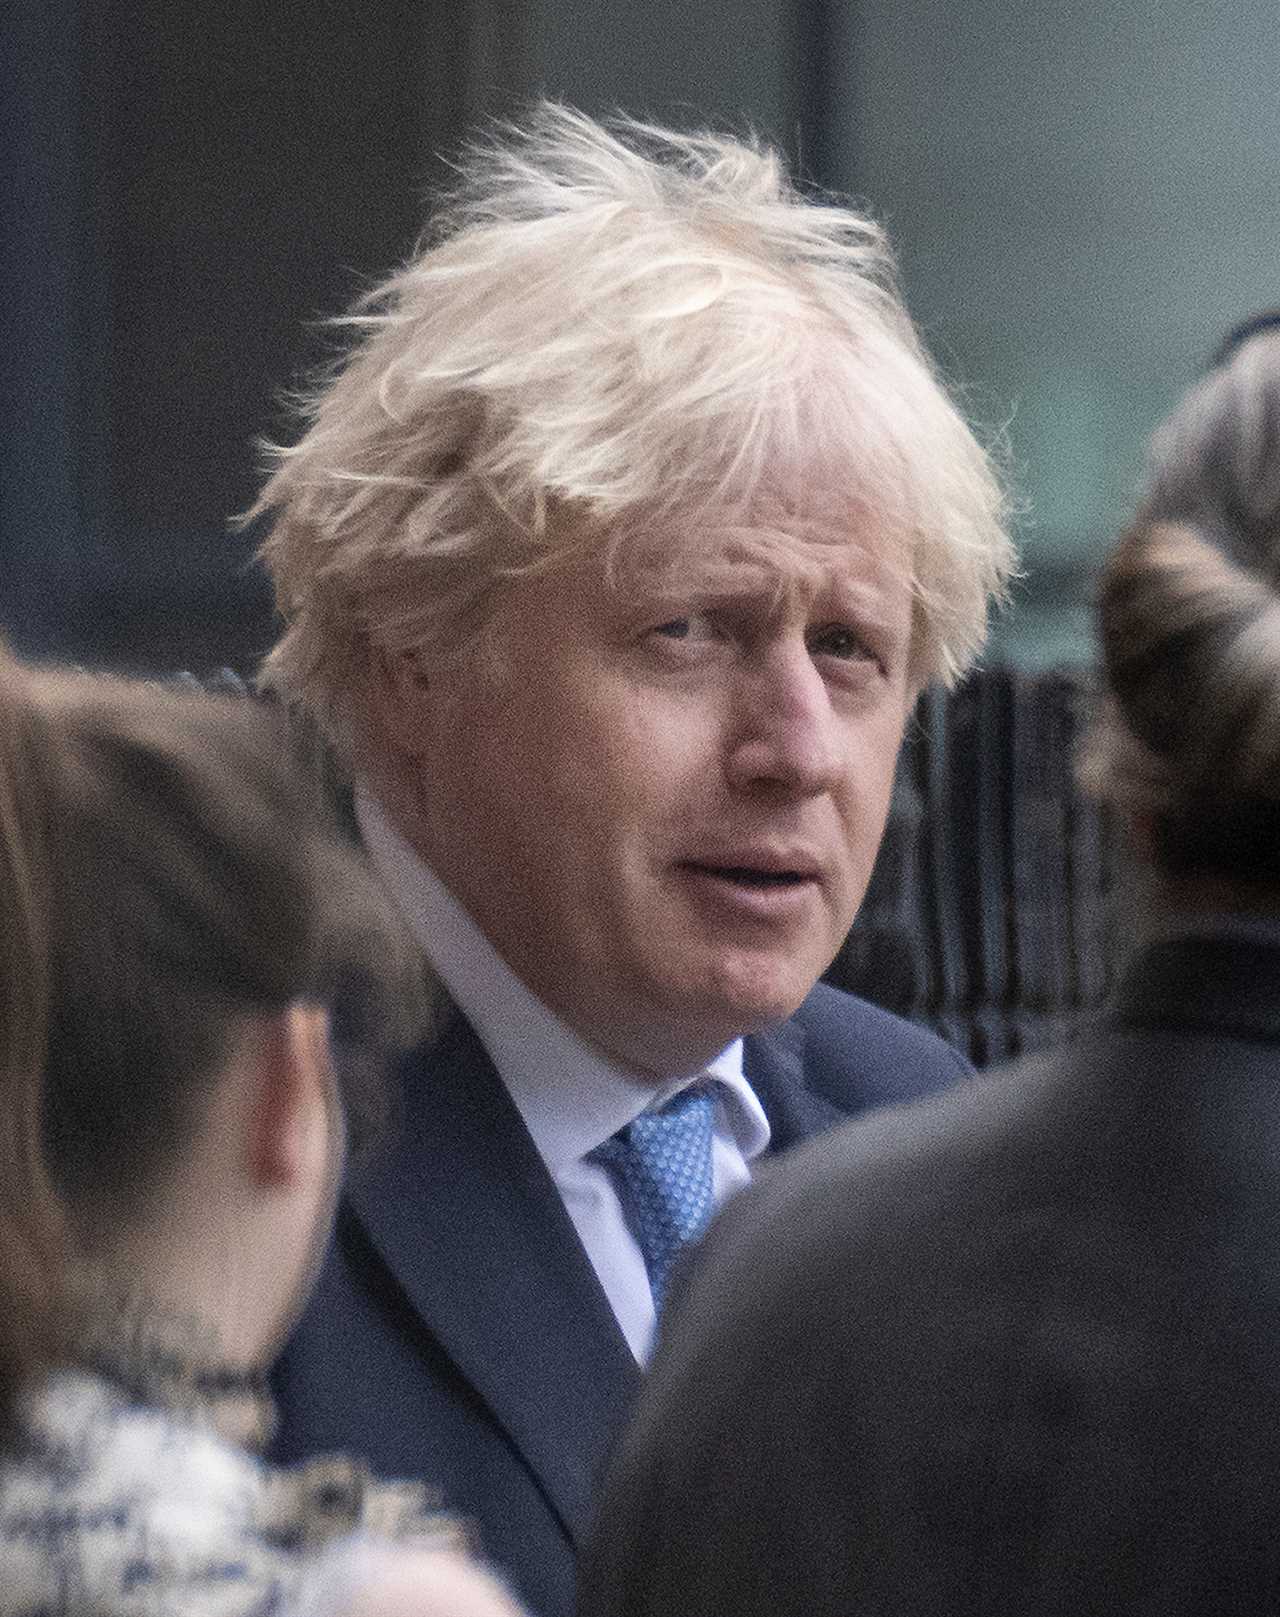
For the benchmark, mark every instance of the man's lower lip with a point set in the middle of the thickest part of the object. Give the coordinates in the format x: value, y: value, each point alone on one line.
x: 753, y: 897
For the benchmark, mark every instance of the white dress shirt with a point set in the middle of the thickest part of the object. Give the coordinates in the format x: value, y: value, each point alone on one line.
x: 571, y: 1097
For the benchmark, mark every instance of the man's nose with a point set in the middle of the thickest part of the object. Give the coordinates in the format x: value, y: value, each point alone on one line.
x: 786, y: 736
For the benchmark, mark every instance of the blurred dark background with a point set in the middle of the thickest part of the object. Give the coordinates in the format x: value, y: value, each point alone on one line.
x: 1083, y: 197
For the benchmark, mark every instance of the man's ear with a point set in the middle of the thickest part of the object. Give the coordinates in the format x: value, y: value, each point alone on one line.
x: 293, y: 1109
x: 401, y: 700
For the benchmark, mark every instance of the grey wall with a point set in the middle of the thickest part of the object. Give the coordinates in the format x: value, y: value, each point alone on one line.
x: 191, y: 188
x: 731, y: 62
x: 1085, y: 195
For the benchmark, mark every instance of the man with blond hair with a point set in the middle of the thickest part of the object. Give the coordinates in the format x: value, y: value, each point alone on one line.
x: 612, y: 559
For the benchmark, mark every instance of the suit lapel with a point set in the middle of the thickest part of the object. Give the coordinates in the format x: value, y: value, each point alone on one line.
x: 467, y: 1218
x: 774, y: 1066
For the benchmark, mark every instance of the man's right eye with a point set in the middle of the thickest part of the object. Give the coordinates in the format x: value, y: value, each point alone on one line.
x: 695, y: 626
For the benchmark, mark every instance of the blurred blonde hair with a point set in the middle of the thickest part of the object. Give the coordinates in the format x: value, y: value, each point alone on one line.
x: 1188, y: 739
x: 611, y: 329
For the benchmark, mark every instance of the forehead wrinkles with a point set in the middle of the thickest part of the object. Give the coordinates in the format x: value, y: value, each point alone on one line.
x: 785, y: 565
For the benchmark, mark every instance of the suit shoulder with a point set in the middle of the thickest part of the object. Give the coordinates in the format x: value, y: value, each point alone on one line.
x: 843, y: 1031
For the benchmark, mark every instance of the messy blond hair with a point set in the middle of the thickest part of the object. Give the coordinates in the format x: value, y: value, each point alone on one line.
x: 610, y: 328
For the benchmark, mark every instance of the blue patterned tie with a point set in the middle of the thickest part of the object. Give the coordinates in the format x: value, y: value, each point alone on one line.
x: 661, y: 1168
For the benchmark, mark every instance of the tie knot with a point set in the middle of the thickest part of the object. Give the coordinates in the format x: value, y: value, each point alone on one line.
x: 661, y: 1165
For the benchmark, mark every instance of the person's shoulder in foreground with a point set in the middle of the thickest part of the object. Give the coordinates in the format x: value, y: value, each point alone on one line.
x: 983, y: 1353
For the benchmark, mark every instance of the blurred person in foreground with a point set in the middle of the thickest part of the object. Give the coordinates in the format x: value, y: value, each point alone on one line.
x: 613, y: 558
x: 1015, y: 1350
x: 176, y: 916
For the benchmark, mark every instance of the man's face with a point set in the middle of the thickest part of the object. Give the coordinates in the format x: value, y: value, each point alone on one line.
x: 663, y: 810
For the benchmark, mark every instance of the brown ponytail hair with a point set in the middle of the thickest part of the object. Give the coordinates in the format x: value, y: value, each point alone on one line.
x: 31, y: 1227
x: 163, y: 871
x: 1189, y: 624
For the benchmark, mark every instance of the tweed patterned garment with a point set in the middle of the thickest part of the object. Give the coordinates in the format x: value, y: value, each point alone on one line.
x: 111, y: 1506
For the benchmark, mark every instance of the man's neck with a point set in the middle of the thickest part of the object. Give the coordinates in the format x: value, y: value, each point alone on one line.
x: 571, y: 1093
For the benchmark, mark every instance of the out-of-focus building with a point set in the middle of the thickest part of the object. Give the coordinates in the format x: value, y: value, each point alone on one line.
x: 1083, y: 197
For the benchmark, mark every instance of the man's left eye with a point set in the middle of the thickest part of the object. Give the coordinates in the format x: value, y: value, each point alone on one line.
x: 839, y: 640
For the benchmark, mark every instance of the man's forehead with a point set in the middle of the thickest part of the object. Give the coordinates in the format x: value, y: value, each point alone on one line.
x: 803, y: 553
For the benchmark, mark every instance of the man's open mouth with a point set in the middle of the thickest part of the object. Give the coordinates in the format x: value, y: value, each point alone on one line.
x: 748, y: 876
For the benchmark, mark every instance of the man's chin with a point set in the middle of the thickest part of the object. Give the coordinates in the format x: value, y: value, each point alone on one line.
x: 749, y: 998
x: 681, y: 1032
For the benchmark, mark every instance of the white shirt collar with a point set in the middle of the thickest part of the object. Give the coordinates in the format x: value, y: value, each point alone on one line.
x: 531, y: 1047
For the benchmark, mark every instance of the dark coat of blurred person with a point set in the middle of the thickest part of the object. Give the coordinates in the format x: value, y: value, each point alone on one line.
x: 1017, y: 1351
x: 177, y: 914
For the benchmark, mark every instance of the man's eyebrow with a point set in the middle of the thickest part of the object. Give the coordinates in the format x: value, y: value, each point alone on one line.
x: 740, y: 581
x: 862, y: 606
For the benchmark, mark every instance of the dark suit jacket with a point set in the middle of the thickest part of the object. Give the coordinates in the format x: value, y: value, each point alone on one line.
x: 459, y: 1334
x: 1015, y: 1351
